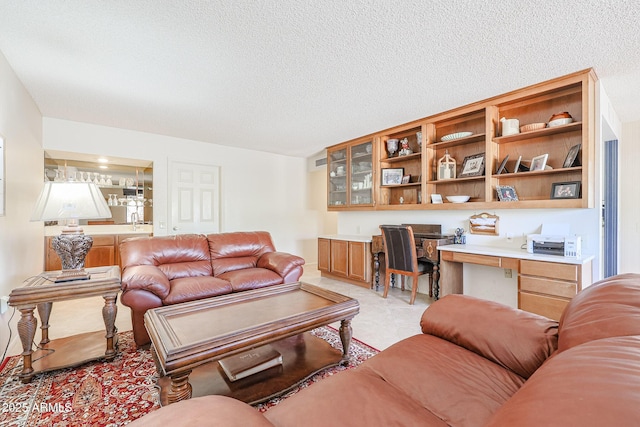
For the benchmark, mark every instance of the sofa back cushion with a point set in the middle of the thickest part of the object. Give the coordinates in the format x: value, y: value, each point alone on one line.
x: 183, y: 255
x: 238, y: 250
x: 608, y: 308
x: 515, y: 339
x: 592, y: 385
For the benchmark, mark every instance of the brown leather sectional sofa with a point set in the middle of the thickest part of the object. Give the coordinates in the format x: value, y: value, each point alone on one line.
x: 477, y: 363
x: 159, y: 271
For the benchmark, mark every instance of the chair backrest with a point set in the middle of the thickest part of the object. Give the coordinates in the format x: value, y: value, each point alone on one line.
x: 400, y: 248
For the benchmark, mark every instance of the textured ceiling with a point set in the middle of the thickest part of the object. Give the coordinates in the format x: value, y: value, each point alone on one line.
x: 295, y: 76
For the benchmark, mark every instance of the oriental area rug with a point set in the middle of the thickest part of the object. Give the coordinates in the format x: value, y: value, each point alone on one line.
x: 116, y: 392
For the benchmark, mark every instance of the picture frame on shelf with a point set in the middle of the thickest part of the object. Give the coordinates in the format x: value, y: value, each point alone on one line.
x: 538, y: 163
x: 503, y: 166
x: 518, y: 166
x: 473, y: 165
x: 507, y: 193
x: 436, y: 199
x: 406, y: 179
x: 565, y: 190
x: 572, y: 157
x: 392, y: 176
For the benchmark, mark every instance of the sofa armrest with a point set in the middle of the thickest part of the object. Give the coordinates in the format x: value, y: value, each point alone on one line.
x: 280, y: 262
x: 517, y: 340
x: 146, y: 277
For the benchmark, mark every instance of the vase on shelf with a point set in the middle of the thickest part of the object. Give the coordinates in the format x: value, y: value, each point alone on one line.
x: 392, y: 146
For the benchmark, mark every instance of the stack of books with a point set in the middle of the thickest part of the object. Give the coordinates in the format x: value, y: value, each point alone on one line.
x: 250, y: 362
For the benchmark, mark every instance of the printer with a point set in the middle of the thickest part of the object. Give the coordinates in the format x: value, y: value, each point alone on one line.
x: 568, y: 246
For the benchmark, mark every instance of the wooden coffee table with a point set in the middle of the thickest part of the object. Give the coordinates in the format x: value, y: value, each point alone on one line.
x: 41, y: 292
x: 187, y: 339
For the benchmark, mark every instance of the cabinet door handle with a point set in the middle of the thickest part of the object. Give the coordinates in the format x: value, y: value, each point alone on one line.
x: 175, y: 228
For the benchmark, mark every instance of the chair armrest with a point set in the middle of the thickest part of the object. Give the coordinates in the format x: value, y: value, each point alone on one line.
x: 280, y: 262
x: 146, y: 277
x: 515, y: 339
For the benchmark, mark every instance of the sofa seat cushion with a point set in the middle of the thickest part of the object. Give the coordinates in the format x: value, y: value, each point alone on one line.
x: 351, y: 398
x: 194, y: 288
x: 459, y: 386
x: 251, y: 278
x: 592, y: 385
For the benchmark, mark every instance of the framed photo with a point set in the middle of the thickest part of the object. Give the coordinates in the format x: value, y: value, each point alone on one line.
x: 565, y: 190
x: 572, y: 156
x: 502, y: 167
x: 473, y: 165
x: 406, y: 179
x: 538, y: 163
x: 436, y: 198
x: 507, y: 193
x: 392, y: 176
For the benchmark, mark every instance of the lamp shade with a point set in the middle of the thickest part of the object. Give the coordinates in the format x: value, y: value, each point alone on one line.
x: 70, y: 200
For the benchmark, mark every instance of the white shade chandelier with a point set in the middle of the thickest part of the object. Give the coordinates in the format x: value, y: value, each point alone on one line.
x: 71, y: 201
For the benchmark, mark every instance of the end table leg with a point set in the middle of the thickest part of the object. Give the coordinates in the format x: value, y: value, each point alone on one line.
x: 27, y: 330
x: 44, y: 311
x: 180, y: 387
x: 109, y: 312
x: 345, y: 336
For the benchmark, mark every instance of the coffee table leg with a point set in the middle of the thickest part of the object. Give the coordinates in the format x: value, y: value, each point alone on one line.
x: 27, y: 330
x: 109, y: 312
x: 345, y: 336
x: 44, y: 311
x: 180, y: 387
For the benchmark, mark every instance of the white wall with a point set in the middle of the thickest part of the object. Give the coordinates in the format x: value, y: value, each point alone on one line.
x: 21, y: 241
x: 259, y: 190
x: 629, y: 226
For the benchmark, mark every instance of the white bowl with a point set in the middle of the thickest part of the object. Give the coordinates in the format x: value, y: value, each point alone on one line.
x: 456, y: 135
x: 458, y: 199
x: 560, y: 122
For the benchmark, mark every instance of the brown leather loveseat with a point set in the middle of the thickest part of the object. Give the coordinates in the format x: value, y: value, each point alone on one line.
x: 477, y: 363
x: 159, y: 271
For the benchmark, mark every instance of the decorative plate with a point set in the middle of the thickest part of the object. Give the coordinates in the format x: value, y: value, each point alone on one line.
x: 456, y: 135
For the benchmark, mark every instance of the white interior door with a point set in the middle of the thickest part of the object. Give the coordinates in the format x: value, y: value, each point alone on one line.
x: 194, y: 198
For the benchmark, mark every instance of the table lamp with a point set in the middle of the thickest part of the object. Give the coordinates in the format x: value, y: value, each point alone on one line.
x: 71, y: 201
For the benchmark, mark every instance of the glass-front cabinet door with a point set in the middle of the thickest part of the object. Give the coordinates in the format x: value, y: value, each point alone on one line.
x: 337, y: 185
x: 350, y: 180
x: 361, y: 174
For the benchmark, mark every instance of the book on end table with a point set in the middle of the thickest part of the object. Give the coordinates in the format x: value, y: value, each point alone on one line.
x: 250, y: 362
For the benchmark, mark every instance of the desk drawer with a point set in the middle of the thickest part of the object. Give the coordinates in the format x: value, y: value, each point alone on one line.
x: 552, y: 270
x: 547, y: 286
x: 489, y: 260
x: 551, y: 307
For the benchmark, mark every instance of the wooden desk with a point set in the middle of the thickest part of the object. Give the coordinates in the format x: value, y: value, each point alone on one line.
x: 546, y: 283
x: 40, y: 291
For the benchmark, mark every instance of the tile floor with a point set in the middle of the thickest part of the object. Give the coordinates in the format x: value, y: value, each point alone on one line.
x: 380, y: 323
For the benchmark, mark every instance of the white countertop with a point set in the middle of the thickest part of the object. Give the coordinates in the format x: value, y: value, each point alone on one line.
x: 513, y: 253
x: 349, y: 237
x: 93, y: 230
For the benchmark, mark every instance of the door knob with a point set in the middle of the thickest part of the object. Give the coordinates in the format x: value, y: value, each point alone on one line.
x: 175, y: 228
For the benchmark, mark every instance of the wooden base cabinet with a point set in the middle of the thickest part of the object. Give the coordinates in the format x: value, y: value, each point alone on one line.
x: 104, y: 251
x: 546, y: 288
x: 345, y: 260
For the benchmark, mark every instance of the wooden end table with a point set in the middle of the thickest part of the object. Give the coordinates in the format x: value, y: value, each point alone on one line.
x: 41, y: 292
x: 187, y: 339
